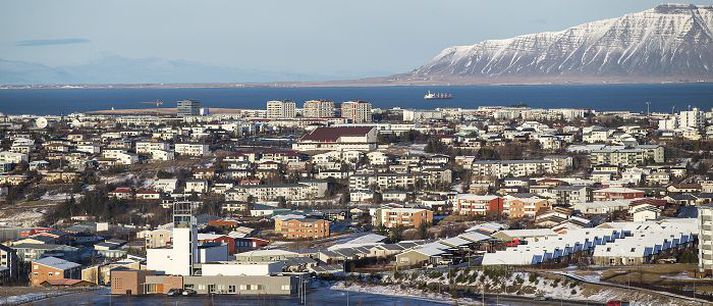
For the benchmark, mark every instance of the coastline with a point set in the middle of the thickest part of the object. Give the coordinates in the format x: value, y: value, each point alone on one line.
x: 159, y: 111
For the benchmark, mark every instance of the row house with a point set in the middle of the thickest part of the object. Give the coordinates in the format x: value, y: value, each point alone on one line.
x: 382, y: 181
x: 299, y: 191
x: 513, y: 168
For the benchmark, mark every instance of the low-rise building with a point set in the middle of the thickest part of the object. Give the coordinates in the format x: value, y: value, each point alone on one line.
x: 306, y: 228
x: 402, y: 217
x: 53, y: 268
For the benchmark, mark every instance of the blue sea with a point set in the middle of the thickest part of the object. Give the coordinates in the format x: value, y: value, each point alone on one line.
x: 663, y: 97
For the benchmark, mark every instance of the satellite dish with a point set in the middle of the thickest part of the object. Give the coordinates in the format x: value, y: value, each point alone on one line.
x: 41, y: 122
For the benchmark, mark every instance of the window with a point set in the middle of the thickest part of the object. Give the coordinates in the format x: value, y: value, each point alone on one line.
x: 231, y: 289
x: 285, y: 287
x: 243, y: 287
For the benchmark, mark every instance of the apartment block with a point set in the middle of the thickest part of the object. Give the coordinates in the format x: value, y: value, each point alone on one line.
x: 405, y: 217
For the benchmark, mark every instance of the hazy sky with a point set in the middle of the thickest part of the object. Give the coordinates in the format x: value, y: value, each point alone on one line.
x: 359, y: 37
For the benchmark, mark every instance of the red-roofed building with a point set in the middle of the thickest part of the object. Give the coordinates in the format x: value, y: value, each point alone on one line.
x: 359, y: 138
x: 651, y: 201
x: 617, y: 193
x: 121, y: 193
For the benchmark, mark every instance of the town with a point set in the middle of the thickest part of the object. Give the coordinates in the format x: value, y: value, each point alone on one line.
x: 562, y: 204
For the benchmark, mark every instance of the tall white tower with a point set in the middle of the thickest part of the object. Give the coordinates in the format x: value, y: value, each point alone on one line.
x: 185, y: 236
x: 180, y: 258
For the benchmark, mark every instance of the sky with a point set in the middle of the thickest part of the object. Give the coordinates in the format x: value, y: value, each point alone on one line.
x: 329, y: 37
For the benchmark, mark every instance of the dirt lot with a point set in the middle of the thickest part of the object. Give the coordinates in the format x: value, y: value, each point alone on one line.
x: 675, y: 276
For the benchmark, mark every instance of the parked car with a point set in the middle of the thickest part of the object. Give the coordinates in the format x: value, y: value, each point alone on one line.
x: 174, y: 292
x: 188, y: 292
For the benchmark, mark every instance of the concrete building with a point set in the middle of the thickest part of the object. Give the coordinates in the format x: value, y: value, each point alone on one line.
x: 192, y: 149
x: 188, y: 108
x: 357, y: 111
x: 526, y: 206
x: 318, y: 109
x: 157, y: 238
x: 180, y: 258
x: 514, y: 168
x: 53, y: 268
x: 405, y: 217
x: 242, y: 285
x: 627, y: 157
x: 478, y: 205
x: 571, y: 195
x: 293, y: 228
x: 281, y: 109
x: 9, y: 260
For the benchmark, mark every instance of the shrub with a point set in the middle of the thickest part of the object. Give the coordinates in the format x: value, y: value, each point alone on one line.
x: 532, y: 277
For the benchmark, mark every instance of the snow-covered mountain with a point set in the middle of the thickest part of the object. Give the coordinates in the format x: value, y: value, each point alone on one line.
x: 672, y: 42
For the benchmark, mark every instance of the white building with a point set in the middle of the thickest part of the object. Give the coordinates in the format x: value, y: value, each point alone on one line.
x: 317, y: 109
x: 357, y: 111
x: 281, y: 109
x: 235, y: 268
x: 12, y: 157
x: 145, y: 147
x: 180, y: 258
x: 192, y: 149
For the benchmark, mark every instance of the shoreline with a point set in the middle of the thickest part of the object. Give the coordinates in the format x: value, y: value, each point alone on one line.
x: 159, y: 111
x: 337, y: 84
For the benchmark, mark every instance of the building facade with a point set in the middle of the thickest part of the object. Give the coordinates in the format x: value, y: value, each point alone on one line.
x: 357, y: 111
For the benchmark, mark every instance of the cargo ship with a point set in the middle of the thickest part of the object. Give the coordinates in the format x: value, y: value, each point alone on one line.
x: 437, y: 96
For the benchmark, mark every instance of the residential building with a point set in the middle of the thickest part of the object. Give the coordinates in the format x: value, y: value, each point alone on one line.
x: 357, y: 111
x: 571, y: 195
x: 524, y: 206
x: 513, y: 168
x: 188, y: 108
x: 306, y: 228
x: 616, y: 193
x: 478, y: 205
x: 281, y: 109
x: 53, y: 268
x: 318, y: 109
x: 192, y: 149
x: 404, y: 217
x: 9, y: 260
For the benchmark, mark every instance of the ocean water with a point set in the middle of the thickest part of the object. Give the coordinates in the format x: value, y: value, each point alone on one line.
x: 663, y: 97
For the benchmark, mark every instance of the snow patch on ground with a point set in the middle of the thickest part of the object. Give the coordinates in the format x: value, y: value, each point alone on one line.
x: 28, y: 297
x: 59, y: 197
x: 28, y: 218
x: 393, y: 290
x: 118, y: 179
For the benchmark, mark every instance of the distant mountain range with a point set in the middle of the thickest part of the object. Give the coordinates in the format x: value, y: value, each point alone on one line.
x: 669, y: 43
x: 120, y: 70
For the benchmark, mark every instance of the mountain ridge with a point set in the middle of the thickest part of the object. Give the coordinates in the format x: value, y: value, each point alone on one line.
x: 668, y: 43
